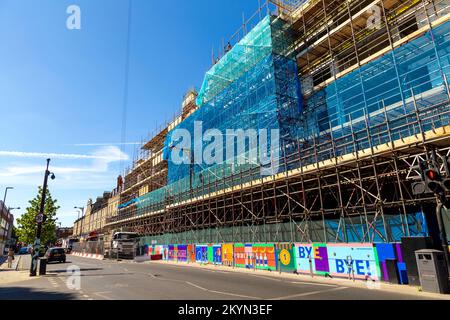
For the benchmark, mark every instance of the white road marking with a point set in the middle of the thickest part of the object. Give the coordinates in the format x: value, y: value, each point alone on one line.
x: 308, y: 293
x: 315, y: 284
x: 261, y: 276
x: 204, y: 289
x: 221, y: 292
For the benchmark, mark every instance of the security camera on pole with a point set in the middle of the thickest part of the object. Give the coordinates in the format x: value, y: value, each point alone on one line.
x: 40, y: 219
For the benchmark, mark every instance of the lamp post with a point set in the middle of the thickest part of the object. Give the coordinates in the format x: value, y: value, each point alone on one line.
x: 81, y: 210
x: 39, y: 220
x: 4, y: 197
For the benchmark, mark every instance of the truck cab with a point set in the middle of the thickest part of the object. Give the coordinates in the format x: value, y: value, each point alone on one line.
x: 124, y: 244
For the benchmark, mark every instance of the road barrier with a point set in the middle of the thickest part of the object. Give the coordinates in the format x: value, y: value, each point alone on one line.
x: 88, y: 255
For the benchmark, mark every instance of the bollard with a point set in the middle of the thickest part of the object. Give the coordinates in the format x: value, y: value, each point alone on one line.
x: 310, y: 267
x: 42, y: 266
x: 279, y: 263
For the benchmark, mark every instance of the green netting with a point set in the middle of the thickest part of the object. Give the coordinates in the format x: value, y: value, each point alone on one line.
x: 305, y: 231
x: 256, y: 45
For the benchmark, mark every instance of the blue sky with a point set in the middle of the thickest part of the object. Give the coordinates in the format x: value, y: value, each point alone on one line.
x: 61, y: 91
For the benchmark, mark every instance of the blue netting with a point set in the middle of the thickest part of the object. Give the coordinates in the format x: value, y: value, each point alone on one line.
x: 265, y: 95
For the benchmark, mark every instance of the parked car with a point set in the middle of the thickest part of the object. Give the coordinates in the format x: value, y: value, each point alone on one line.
x: 25, y: 250
x: 55, y: 254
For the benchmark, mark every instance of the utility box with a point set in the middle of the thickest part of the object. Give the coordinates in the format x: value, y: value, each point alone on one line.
x: 433, y: 271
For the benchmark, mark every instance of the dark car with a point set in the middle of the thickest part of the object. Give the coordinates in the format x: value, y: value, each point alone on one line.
x: 55, y: 254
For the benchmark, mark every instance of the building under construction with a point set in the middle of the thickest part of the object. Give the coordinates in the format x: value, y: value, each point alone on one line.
x: 357, y: 90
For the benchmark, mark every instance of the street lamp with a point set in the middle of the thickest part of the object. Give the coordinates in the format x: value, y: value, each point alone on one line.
x: 4, y: 197
x: 82, y: 210
x: 11, y: 209
x: 39, y: 220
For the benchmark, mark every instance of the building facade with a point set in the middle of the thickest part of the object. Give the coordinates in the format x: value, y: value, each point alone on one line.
x: 95, y: 215
x: 358, y: 93
x: 6, y: 225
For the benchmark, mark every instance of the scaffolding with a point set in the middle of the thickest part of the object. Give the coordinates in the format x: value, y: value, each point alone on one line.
x: 372, y: 101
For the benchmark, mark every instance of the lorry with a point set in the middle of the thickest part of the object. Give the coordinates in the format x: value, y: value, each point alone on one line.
x: 123, y: 245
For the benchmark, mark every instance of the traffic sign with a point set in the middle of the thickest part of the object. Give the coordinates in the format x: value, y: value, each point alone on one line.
x: 39, y: 218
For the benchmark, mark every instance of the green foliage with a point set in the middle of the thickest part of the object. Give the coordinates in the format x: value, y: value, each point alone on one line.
x: 26, y: 224
x: 14, y: 232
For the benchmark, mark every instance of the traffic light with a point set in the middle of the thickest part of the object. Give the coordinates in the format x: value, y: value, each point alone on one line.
x: 420, y: 187
x: 432, y: 179
x: 446, y: 184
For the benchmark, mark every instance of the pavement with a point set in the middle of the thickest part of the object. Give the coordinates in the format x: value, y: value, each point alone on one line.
x: 19, y: 271
x: 88, y: 279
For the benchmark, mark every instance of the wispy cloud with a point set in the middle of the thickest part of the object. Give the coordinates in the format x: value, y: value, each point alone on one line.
x: 106, y: 144
x: 100, y: 160
x: 111, y: 153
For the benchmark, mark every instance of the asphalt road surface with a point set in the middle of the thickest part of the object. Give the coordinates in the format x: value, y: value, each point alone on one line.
x: 111, y: 280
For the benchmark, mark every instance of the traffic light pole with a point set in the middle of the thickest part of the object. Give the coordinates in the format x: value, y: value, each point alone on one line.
x: 440, y: 200
x: 37, y: 242
x: 434, y: 182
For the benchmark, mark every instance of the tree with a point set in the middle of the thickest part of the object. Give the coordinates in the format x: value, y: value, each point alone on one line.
x: 26, y: 224
x: 14, y: 233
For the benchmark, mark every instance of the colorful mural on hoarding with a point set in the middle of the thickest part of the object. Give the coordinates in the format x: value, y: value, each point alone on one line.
x: 191, y: 252
x: 201, y: 253
x: 158, y: 250
x: 341, y: 260
x: 172, y: 253
x: 243, y: 254
x: 182, y: 253
x: 358, y: 260
x: 215, y: 254
x: 286, y: 257
x: 264, y: 256
x: 304, y: 258
x: 388, y: 251
x: 227, y: 254
x: 361, y: 261
x: 312, y: 258
x: 320, y: 256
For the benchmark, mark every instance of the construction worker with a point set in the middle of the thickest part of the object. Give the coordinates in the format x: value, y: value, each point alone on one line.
x: 228, y: 47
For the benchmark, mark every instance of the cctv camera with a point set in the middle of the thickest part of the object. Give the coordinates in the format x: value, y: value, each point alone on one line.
x: 52, y: 176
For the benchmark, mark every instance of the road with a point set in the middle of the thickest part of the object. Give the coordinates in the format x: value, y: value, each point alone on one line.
x: 112, y: 280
